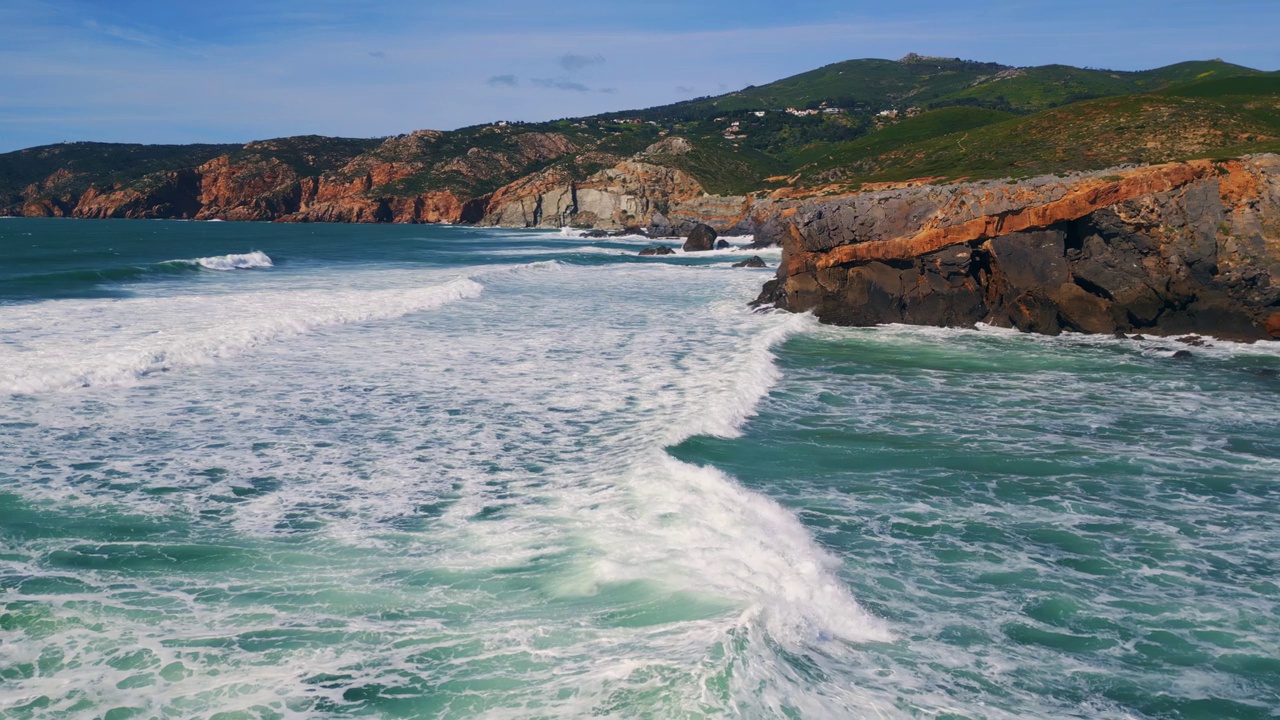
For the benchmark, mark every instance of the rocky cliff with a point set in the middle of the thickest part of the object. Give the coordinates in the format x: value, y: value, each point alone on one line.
x: 1180, y: 248
x: 406, y: 179
x: 640, y: 191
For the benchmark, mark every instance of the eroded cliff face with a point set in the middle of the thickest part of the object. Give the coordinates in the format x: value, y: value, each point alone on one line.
x: 270, y: 190
x: 631, y: 194
x: 1182, y: 248
x: 643, y: 191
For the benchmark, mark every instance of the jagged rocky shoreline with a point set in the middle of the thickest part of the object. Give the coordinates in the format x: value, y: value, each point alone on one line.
x: 1191, y: 247
x: 1181, y: 248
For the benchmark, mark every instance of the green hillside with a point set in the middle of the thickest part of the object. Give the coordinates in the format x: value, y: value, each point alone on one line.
x: 1040, y: 88
x: 1088, y: 135
x: 873, y: 85
x: 1260, y: 85
x: 932, y: 124
x: 861, y: 84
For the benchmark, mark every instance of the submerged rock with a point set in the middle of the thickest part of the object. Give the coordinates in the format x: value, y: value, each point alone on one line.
x: 723, y: 245
x: 658, y: 250
x: 754, y: 262
x: 701, y: 238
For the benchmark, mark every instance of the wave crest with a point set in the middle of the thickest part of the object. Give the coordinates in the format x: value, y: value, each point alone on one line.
x: 241, y: 261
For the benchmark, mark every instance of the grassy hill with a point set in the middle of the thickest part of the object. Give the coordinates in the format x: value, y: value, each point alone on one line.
x: 1041, y: 88
x: 1252, y: 85
x: 874, y: 85
x: 1088, y: 135
x: 936, y: 123
x: 868, y: 84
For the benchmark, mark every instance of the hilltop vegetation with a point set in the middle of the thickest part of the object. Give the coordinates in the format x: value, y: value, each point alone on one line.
x: 1088, y: 135
x: 835, y: 127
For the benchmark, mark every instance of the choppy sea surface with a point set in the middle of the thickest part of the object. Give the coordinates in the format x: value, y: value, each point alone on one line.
x: 309, y: 471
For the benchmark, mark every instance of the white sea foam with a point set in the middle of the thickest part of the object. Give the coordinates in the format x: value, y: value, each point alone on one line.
x: 769, y: 252
x: 570, y: 250
x: 569, y: 232
x: 534, y: 421
x: 476, y: 509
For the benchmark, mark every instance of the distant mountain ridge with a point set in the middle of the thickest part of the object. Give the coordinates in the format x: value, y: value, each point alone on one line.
x: 846, y: 126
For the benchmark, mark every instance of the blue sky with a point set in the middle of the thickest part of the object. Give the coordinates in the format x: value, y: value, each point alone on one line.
x: 237, y: 70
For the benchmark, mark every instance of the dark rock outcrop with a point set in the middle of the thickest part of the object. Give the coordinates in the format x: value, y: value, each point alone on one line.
x: 658, y: 250
x: 659, y: 226
x: 753, y: 262
x: 1167, y: 250
x: 701, y: 238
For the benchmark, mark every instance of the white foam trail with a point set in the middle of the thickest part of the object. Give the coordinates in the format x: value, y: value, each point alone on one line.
x: 633, y: 239
x: 244, y: 261
x: 539, y: 266
x: 130, y: 339
x: 582, y: 250
x: 769, y: 252
x: 788, y: 579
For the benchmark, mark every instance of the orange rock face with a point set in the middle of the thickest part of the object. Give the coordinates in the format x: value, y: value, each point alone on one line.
x: 1174, y: 249
x: 242, y: 192
x: 1080, y: 200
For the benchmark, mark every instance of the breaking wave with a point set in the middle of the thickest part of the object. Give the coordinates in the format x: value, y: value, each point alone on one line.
x: 242, y: 261
x: 135, y: 338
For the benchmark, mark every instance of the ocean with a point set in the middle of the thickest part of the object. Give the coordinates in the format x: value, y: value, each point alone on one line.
x: 346, y: 471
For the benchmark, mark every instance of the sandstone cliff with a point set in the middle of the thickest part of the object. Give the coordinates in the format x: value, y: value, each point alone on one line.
x: 1180, y: 248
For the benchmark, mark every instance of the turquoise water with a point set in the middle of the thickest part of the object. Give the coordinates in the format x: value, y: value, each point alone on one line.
x: 253, y: 470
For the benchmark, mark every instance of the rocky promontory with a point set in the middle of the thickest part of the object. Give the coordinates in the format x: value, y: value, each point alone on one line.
x: 1190, y: 247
